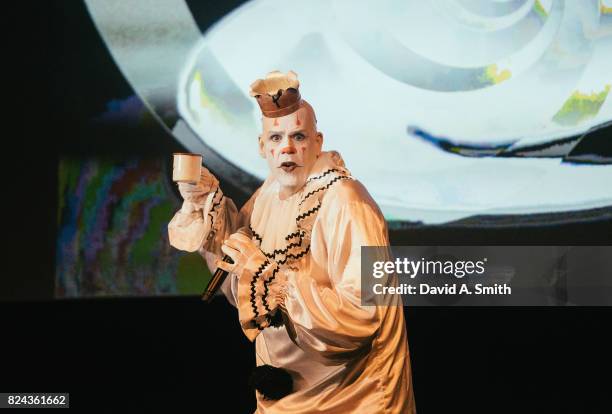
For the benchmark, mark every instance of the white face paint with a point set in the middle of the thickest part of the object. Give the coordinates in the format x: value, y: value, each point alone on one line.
x: 291, y: 146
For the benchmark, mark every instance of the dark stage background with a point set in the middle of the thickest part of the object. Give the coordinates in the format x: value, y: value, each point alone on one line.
x: 176, y: 351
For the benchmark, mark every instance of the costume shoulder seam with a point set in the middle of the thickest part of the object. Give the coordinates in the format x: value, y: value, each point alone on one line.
x: 346, y: 188
x: 330, y: 184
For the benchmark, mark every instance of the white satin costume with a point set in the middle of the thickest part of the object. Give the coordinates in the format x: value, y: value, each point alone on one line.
x: 343, y: 357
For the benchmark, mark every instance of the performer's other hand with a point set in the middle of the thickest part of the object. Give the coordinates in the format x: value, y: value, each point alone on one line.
x: 244, y: 252
x: 196, y: 193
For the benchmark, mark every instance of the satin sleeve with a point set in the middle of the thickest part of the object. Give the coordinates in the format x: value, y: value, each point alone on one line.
x: 323, y: 303
x: 204, y: 228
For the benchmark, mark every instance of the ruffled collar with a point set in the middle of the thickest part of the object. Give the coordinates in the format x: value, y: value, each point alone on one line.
x: 328, y: 162
x: 328, y: 170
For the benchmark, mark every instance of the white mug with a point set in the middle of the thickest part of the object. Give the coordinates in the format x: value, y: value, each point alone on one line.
x: 186, y: 167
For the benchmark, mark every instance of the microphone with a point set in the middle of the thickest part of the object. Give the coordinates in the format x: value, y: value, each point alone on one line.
x: 219, y: 277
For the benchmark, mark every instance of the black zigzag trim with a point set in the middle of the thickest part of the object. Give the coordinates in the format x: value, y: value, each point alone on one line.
x: 323, y: 175
x: 299, y: 218
x: 279, y: 251
x: 294, y: 256
x: 299, y: 234
x: 308, y: 213
x: 325, y: 187
x: 215, y: 205
x: 264, y: 299
x: 292, y: 235
x: 257, y: 236
x: 252, y: 300
x: 285, y: 250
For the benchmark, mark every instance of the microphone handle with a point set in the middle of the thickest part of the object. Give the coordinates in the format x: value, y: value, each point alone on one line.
x: 216, y: 281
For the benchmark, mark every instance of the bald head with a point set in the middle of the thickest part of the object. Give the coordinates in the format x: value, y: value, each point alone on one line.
x: 291, y: 144
x: 308, y: 108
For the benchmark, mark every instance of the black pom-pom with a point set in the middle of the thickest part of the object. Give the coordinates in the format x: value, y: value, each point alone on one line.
x: 272, y: 382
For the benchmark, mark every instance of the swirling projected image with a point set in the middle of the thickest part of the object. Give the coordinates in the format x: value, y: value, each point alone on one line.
x: 423, y: 82
x: 445, y: 109
x: 460, y: 113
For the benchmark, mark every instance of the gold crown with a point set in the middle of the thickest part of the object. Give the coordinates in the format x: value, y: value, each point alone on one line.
x: 278, y: 94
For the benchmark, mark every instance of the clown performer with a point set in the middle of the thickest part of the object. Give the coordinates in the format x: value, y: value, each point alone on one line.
x: 296, y: 282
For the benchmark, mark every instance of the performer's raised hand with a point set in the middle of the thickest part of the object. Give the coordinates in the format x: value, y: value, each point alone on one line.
x: 196, y: 193
x: 261, y: 287
x: 244, y: 252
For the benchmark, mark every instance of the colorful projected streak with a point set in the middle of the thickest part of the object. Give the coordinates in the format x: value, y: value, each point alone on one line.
x: 112, y: 232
